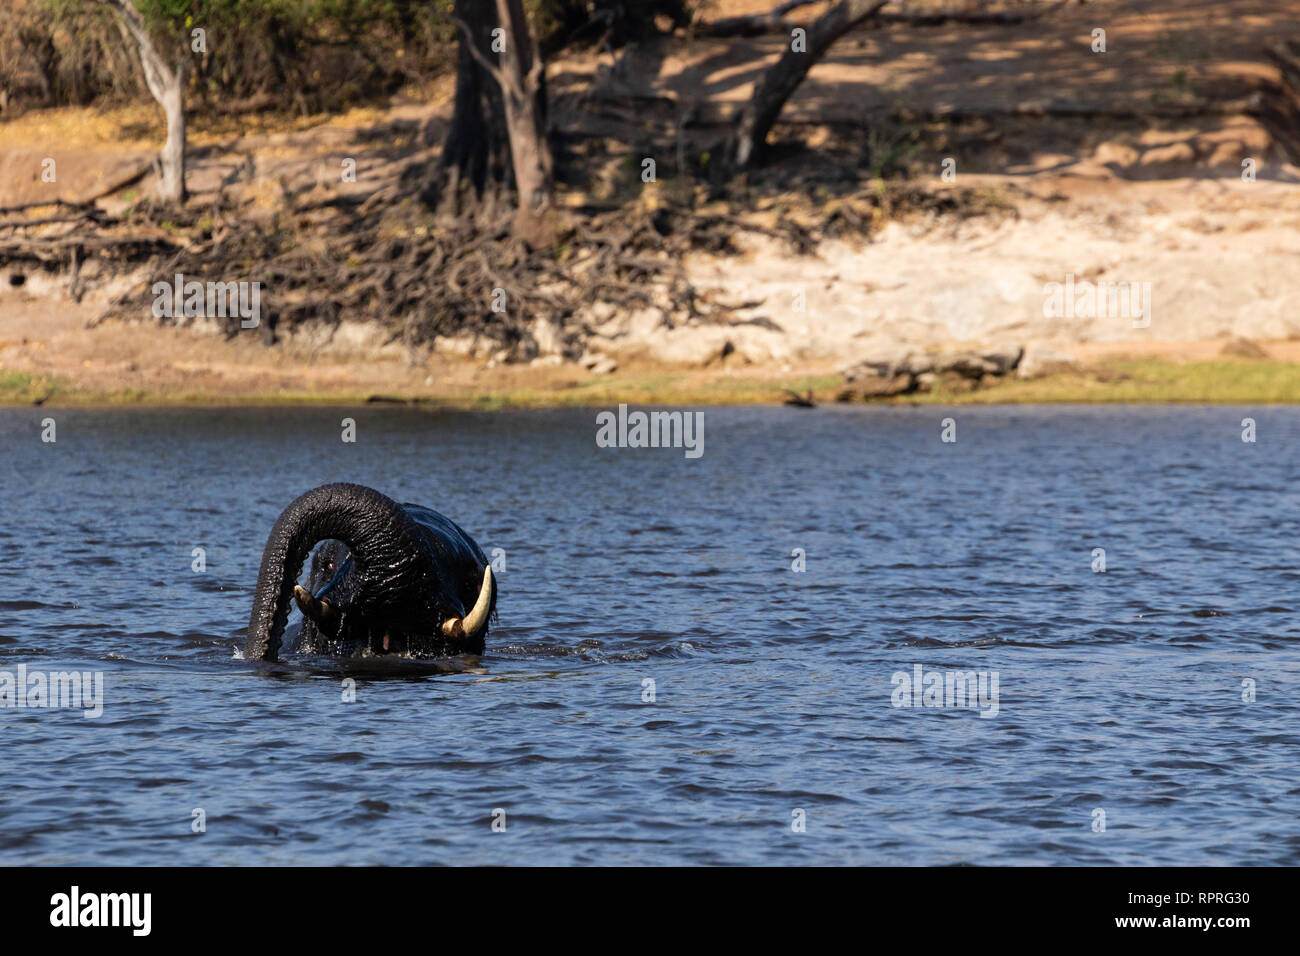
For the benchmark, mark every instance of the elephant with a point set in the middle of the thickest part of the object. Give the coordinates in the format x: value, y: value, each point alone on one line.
x: 389, y: 579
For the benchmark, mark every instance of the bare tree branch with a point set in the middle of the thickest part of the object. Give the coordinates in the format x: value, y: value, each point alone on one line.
x: 493, y: 69
x: 781, y: 80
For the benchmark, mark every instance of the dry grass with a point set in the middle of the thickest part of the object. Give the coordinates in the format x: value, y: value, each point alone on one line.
x: 139, y: 126
x: 1120, y: 381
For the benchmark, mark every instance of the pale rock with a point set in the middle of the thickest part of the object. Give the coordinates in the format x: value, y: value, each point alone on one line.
x: 1004, y: 358
x: 967, y: 364
x: 602, y: 311
x: 546, y: 334
x: 1040, y: 359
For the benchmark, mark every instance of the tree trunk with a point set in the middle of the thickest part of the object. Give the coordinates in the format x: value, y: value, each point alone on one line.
x: 168, y: 88
x: 172, y: 185
x: 522, y: 76
x: 500, y: 106
x: 475, y: 151
x: 783, y: 78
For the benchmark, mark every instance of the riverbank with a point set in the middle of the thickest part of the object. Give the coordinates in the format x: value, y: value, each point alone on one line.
x: 1208, y: 371
x: 917, y: 214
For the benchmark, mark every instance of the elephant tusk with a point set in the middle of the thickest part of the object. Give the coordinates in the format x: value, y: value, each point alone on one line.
x: 472, y: 623
x: 311, y: 607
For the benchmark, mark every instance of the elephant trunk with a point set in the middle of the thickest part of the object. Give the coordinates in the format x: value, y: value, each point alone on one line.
x: 384, y: 542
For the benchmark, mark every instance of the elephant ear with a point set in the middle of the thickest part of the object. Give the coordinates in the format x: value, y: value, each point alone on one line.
x: 381, y: 536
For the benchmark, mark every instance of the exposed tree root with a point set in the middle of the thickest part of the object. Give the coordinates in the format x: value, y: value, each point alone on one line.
x: 421, y: 275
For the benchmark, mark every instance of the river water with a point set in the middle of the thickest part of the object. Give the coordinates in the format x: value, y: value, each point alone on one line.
x: 664, y: 684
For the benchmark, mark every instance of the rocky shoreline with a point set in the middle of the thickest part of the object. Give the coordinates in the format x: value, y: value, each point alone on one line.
x: 953, y: 372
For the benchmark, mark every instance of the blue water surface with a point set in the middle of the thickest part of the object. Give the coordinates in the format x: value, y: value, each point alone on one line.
x: 663, y: 686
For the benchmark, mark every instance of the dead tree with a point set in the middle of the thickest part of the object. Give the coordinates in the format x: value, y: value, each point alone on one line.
x: 167, y: 85
x: 783, y: 77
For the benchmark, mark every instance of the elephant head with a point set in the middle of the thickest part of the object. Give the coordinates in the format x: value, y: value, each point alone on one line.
x: 331, y: 580
x: 396, y: 577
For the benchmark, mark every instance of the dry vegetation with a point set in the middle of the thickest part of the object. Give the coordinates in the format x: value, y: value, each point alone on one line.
x: 856, y: 152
